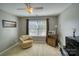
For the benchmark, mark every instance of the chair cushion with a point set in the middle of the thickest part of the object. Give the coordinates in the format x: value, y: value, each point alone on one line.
x: 24, y: 37
x: 28, y: 41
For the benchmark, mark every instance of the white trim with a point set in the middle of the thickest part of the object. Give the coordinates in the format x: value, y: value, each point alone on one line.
x: 9, y: 48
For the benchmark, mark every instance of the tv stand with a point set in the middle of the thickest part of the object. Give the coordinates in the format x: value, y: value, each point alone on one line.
x: 72, y: 46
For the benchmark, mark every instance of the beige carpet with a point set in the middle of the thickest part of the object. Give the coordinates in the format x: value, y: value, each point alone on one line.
x: 38, y: 49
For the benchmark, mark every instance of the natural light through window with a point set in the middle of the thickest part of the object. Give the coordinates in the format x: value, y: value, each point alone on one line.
x: 37, y: 27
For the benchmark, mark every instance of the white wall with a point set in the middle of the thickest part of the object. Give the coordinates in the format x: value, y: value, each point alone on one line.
x: 53, y: 21
x: 22, y: 26
x: 8, y: 36
x: 22, y: 23
x: 68, y: 20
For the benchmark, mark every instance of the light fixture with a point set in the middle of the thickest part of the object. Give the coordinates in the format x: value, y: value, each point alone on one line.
x: 29, y: 10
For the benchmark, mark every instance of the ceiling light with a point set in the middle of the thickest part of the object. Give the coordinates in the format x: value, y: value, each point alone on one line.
x: 29, y: 10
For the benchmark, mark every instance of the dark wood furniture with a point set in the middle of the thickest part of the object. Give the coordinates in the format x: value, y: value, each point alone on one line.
x: 72, y: 46
x: 52, y: 40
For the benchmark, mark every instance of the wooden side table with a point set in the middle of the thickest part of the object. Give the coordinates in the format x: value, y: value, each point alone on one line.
x: 52, y: 40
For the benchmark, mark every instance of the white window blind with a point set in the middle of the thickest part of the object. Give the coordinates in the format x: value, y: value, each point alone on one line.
x: 37, y: 27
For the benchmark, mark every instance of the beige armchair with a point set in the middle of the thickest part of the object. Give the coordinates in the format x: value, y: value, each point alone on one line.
x: 26, y: 41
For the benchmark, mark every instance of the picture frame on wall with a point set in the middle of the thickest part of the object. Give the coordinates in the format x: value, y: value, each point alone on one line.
x: 6, y: 23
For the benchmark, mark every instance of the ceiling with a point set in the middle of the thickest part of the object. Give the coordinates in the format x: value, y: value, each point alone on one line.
x: 48, y: 8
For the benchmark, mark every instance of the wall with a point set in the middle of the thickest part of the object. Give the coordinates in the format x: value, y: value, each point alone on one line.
x: 22, y: 23
x: 22, y: 26
x: 53, y: 21
x: 68, y: 20
x: 8, y: 36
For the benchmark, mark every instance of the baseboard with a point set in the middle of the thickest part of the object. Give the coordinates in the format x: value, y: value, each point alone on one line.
x: 9, y: 48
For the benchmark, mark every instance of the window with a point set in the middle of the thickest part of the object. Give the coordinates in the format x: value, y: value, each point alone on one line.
x: 37, y: 27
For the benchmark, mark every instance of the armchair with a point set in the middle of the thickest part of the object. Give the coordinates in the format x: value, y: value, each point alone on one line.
x: 26, y: 41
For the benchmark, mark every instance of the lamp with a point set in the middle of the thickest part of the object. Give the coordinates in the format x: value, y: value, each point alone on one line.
x: 56, y: 28
x: 74, y: 30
